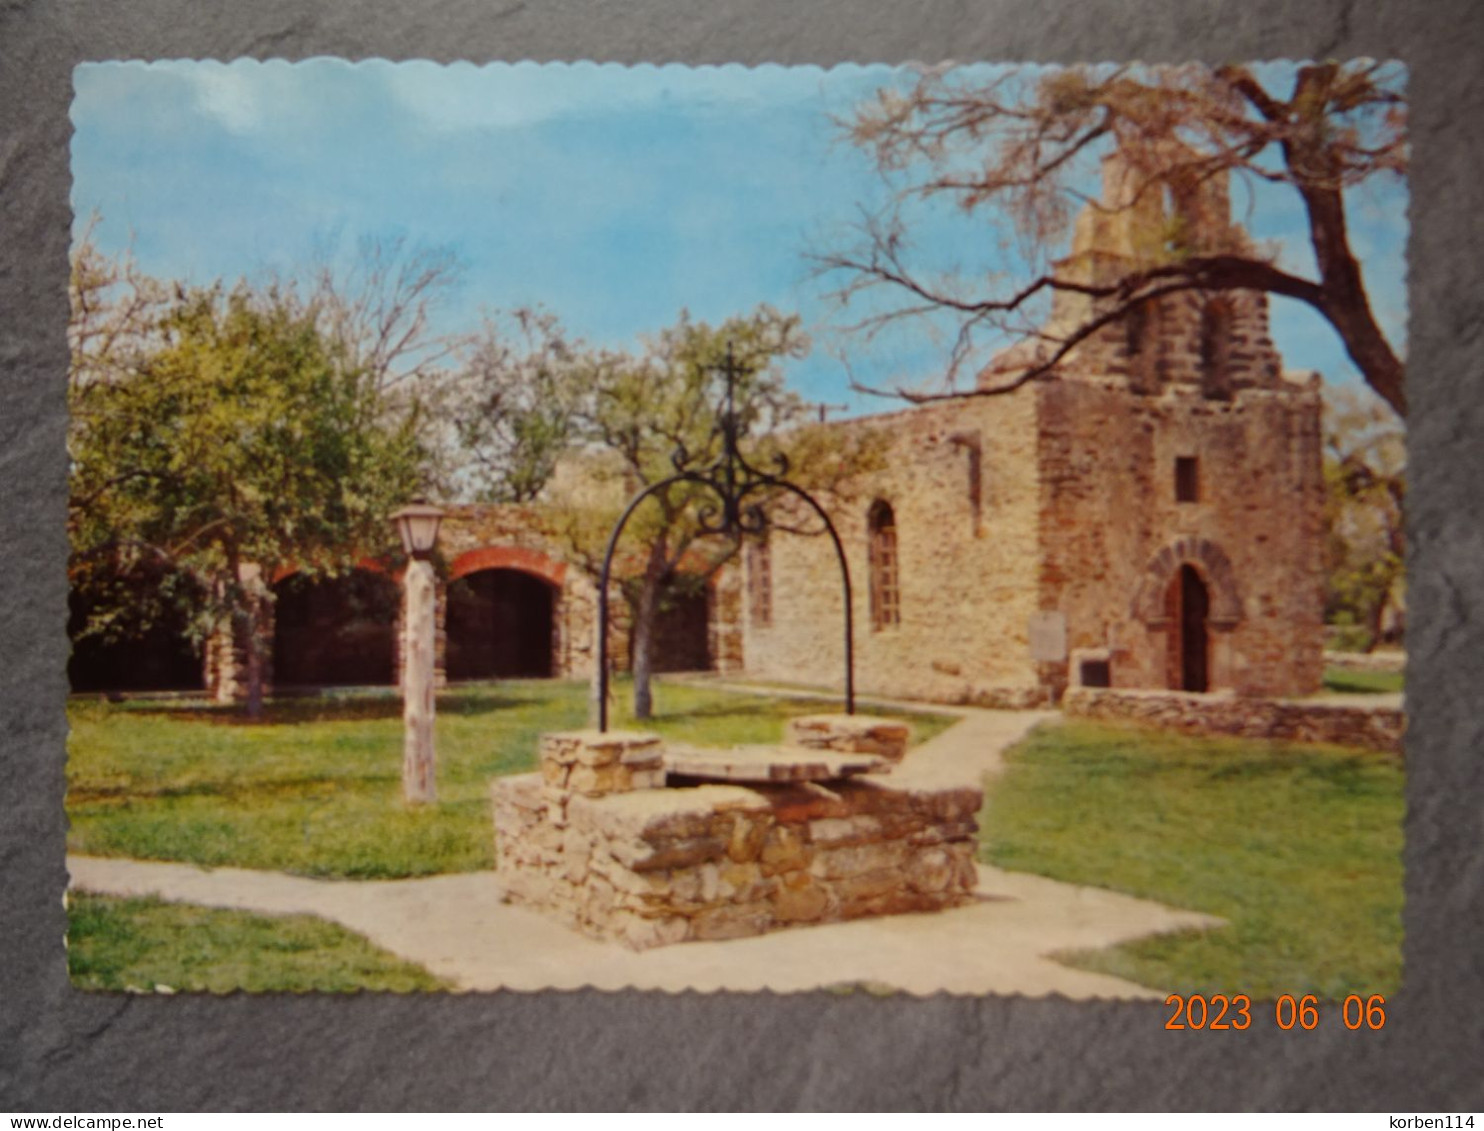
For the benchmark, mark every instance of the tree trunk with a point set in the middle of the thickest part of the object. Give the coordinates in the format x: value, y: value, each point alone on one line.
x: 643, y: 640
x: 253, y: 655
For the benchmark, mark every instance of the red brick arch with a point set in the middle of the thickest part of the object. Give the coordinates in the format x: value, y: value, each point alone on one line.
x: 508, y: 557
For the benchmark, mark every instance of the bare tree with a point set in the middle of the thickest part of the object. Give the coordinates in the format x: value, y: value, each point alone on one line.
x: 1026, y: 146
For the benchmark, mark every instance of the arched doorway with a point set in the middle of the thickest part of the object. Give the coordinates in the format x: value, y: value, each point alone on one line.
x: 682, y: 640
x: 500, y: 625
x: 148, y: 647
x: 1188, y: 605
x: 335, y: 631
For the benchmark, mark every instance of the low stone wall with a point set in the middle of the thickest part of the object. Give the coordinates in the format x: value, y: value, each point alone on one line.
x: 1377, y: 727
x: 1367, y: 661
x: 651, y: 866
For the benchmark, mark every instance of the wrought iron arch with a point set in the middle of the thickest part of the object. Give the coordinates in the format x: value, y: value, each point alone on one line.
x: 732, y: 479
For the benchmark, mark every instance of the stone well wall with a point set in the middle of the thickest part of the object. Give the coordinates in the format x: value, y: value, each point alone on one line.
x: 1378, y: 727
x: 651, y: 866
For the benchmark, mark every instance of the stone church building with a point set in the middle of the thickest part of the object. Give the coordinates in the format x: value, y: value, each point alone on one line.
x: 1149, y: 514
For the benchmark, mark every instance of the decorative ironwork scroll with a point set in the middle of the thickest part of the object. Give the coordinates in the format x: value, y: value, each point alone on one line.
x: 733, y: 480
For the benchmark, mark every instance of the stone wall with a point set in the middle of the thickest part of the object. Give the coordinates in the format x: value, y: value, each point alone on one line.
x: 1386, y: 661
x: 961, y: 482
x: 1113, y: 535
x: 1373, y: 727
x: 586, y: 841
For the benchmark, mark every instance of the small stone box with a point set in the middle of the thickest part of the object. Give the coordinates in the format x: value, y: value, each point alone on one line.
x: 856, y: 734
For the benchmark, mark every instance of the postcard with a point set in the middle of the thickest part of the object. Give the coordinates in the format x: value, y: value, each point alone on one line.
x: 877, y: 529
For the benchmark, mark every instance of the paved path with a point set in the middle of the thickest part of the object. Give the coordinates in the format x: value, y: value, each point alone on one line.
x: 458, y: 928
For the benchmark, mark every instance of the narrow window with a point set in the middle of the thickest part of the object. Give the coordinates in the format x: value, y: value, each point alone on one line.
x: 760, y: 584
x: 1216, y: 330
x: 1136, y: 329
x: 1187, y: 479
x: 885, y: 587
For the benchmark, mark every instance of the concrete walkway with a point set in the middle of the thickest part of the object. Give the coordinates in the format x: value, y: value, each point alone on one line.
x: 458, y: 928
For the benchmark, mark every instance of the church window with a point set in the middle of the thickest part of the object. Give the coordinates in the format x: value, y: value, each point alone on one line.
x: 885, y: 583
x: 1216, y: 330
x: 760, y: 583
x: 1187, y: 479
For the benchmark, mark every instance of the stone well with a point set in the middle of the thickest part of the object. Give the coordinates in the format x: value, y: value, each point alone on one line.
x: 625, y: 840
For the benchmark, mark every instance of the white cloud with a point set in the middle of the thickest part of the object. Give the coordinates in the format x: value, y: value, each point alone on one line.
x: 229, y: 93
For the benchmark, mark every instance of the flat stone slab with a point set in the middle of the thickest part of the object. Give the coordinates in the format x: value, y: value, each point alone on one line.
x: 766, y: 763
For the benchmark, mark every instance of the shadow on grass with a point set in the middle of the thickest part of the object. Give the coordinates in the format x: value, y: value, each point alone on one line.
x: 1351, y: 775
x: 231, y: 789
x: 327, y: 706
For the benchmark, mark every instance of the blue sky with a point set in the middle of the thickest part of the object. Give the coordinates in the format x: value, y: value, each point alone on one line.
x: 613, y: 196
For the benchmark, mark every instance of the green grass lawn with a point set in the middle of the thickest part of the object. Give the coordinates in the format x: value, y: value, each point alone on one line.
x: 1366, y: 683
x: 1298, y: 847
x: 315, y: 787
x: 122, y: 944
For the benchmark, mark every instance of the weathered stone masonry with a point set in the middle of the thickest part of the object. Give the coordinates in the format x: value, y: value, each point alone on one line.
x: 1160, y: 490
x: 596, y: 841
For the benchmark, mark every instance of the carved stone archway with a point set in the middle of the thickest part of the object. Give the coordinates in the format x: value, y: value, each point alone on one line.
x: 1215, y: 568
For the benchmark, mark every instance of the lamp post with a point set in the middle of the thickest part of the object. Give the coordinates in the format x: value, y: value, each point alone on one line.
x: 418, y: 526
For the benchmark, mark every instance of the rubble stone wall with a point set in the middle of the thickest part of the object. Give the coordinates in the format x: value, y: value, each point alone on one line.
x: 1378, y: 727
x: 961, y: 481
x: 652, y: 866
x: 1113, y: 534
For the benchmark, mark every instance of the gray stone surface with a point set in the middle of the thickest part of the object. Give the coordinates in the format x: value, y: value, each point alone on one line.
x: 61, y: 1050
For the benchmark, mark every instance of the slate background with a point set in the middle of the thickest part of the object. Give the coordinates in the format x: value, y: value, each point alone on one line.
x: 65, y: 1051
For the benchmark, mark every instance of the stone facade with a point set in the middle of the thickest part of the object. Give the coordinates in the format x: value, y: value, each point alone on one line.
x: 595, y: 841
x: 1157, y: 495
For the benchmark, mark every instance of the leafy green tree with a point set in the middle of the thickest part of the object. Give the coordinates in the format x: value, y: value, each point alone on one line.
x: 1026, y: 147
x: 581, y: 431
x: 230, y: 440
x: 1365, y: 474
x: 517, y: 402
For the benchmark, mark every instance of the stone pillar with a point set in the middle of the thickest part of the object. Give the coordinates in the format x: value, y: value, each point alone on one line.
x: 853, y: 734
x: 595, y: 763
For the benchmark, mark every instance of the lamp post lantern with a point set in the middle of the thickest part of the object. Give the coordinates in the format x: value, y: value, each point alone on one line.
x: 418, y: 526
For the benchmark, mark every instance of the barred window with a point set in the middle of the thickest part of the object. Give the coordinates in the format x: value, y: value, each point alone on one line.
x: 886, y: 608
x: 760, y: 584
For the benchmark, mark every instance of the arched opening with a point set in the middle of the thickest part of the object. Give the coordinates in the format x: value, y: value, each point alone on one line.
x: 147, y: 647
x: 1188, y: 605
x: 500, y: 625
x: 682, y: 638
x: 335, y: 631
x: 886, y: 593
x: 1141, y: 330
